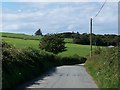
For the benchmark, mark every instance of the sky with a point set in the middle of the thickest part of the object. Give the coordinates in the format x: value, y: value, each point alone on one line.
x: 57, y: 17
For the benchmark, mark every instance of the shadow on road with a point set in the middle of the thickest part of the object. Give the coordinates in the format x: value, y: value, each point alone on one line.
x: 34, y: 81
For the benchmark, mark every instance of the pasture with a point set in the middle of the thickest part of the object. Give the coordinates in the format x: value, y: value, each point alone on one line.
x: 21, y: 43
x: 72, y: 49
x: 76, y: 49
x: 19, y: 36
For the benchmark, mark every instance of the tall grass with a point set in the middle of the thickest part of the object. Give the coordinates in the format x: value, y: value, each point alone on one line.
x: 103, y: 66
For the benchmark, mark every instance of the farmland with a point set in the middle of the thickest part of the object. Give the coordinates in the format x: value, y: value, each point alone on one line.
x: 72, y: 49
x: 76, y: 49
x: 20, y: 43
x: 33, y: 41
x: 20, y: 36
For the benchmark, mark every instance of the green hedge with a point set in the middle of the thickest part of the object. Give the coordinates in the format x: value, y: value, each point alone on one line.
x: 19, y: 66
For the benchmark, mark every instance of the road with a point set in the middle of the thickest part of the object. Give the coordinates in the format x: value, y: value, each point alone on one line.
x: 63, y: 77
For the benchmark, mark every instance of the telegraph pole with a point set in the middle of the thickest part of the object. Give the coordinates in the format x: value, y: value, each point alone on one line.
x: 91, y: 37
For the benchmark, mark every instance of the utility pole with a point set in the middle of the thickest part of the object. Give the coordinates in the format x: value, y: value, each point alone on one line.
x: 90, y: 37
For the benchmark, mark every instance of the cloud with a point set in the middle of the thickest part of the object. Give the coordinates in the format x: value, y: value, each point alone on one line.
x: 59, y: 1
x: 59, y: 17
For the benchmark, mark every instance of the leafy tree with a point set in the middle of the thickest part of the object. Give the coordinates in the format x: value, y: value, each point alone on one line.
x: 53, y: 43
x: 38, y: 32
x: 81, y: 39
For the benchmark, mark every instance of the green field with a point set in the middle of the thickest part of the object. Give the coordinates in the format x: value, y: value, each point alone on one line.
x: 68, y: 40
x: 76, y: 49
x: 19, y: 36
x: 28, y: 37
x: 20, y: 43
x: 72, y: 49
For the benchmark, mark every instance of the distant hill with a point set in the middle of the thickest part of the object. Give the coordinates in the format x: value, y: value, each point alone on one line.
x: 20, y: 36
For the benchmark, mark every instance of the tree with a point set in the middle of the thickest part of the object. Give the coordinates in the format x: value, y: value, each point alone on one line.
x: 53, y: 43
x: 38, y: 32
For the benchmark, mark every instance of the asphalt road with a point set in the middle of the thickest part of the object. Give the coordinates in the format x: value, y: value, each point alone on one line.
x: 63, y: 77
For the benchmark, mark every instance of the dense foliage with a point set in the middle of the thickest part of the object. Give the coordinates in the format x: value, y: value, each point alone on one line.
x: 53, y: 43
x: 104, y: 67
x: 99, y: 40
x: 19, y: 65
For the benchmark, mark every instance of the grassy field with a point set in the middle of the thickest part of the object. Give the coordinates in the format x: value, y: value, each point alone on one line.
x: 20, y: 36
x: 20, y: 43
x: 75, y: 49
x: 68, y: 40
x: 24, y: 36
x: 72, y: 49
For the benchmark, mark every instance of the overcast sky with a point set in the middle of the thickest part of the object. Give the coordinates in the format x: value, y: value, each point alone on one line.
x: 51, y: 17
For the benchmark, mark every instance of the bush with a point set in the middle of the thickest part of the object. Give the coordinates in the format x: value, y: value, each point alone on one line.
x: 53, y: 43
x: 22, y: 65
x: 105, y: 64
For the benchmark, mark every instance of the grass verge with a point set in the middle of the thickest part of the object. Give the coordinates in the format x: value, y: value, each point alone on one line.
x: 103, y: 67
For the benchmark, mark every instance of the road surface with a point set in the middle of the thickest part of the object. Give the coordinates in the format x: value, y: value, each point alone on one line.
x: 63, y: 77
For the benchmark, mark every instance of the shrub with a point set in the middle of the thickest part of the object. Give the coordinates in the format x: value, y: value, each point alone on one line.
x: 53, y: 43
x: 105, y: 65
x: 22, y: 65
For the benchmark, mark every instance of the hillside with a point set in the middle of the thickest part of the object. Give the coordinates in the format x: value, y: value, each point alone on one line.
x: 20, y: 36
x: 32, y: 41
x: 103, y: 66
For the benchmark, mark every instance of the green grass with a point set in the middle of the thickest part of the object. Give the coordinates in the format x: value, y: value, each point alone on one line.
x: 20, y: 66
x: 20, y: 43
x: 103, y: 67
x: 72, y: 49
x: 77, y: 49
x: 68, y: 40
x: 20, y: 36
x: 24, y: 36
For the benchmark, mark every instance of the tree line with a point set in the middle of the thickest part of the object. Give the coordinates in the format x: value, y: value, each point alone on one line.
x: 98, y: 40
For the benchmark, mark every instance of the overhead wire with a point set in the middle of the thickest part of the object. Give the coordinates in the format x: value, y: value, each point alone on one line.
x: 100, y: 10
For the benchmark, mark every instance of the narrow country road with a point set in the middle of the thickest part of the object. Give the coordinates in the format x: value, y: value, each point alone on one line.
x: 64, y: 77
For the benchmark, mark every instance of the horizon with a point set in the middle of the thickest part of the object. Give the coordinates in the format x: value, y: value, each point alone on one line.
x: 58, y: 33
x: 51, y: 17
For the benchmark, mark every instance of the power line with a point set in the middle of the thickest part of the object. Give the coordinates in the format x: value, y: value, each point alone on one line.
x: 100, y: 9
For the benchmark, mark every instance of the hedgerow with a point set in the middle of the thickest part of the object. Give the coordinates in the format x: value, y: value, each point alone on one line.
x: 21, y: 65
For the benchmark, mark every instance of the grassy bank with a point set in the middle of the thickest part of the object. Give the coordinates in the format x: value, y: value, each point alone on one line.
x: 21, y: 65
x: 103, y: 66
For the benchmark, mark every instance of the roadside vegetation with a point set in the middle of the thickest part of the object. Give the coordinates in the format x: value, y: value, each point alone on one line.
x: 104, y: 67
x: 21, y: 65
x: 22, y: 59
